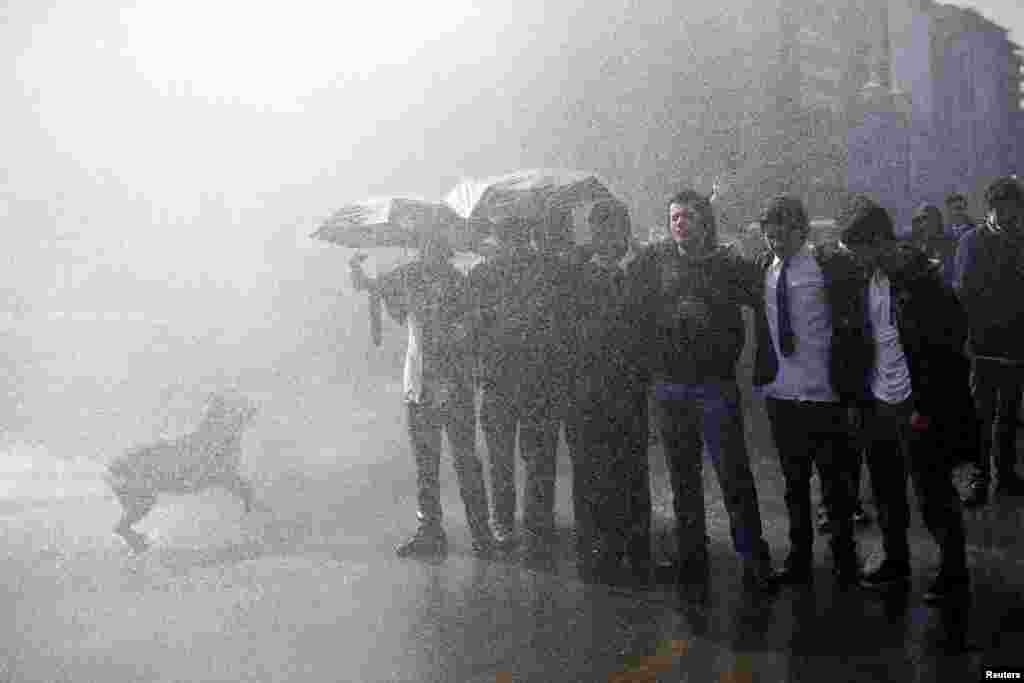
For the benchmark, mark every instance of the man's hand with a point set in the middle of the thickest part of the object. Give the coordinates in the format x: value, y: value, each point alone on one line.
x: 919, y: 422
x: 360, y: 282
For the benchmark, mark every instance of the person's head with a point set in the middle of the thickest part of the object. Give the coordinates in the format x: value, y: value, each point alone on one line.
x: 691, y: 221
x: 784, y: 225
x: 926, y: 225
x: 1004, y: 199
x: 610, y: 227
x: 956, y: 208
x: 866, y: 228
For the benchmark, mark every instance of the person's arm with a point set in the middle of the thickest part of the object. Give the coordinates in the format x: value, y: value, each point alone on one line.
x: 389, y: 287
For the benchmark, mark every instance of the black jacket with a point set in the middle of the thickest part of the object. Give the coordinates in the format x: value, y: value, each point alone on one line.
x: 610, y: 337
x: 852, y: 352
x: 933, y: 328
x: 682, y: 352
x: 520, y: 327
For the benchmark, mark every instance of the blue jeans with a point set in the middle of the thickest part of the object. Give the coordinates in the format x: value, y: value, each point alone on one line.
x: 709, y: 415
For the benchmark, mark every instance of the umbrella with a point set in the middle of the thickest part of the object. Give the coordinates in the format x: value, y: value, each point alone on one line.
x: 393, y: 222
x: 530, y: 194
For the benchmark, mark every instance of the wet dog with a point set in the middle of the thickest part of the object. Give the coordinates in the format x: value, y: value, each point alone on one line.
x: 209, y: 457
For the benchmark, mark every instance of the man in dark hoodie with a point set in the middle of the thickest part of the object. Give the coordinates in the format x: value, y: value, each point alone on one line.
x: 607, y: 428
x: 989, y: 281
x: 520, y: 344
x: 918, y: 399
x: 812, y: 359
x: 696, y: 287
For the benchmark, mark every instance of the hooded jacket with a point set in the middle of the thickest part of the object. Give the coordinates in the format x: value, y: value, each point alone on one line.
x: 990, y: 280
x: 932, y: 327
x: 684, y: 351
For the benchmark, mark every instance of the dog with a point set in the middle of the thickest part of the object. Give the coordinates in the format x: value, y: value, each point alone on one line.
x: 209, y: 457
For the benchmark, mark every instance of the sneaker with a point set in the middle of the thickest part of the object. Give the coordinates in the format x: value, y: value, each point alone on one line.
x: 1010, y: 486
x: 484, y: 547
x: 506, y: 540
x: 948, y: 587
x: 861, y: 518
x: 825, y: 524
x: 888, y: 575
x: 975, y: 490
x: 426, y: 543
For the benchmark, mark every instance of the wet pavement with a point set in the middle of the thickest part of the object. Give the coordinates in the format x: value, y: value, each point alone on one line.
x: 309, y: 589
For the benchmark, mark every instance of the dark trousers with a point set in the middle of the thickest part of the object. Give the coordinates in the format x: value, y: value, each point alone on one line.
x: 809, y: 433
x: 456, y: 416
x: 611, y: 490
x: 996, y: 389
x: 501, y: 416
x: 692, y: 417
x: 893, y: 450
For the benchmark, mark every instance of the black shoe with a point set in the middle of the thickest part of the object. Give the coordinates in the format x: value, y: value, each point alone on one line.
x: 793, y: 575
x: 1011, y: 485
x: 484, y: 547
x: 948, y: 587
x: 975, y: 493
x: 426, y: 543
x: 888, y: 575
x: 825, y: 524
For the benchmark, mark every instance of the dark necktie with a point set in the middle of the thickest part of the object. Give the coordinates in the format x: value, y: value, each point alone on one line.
x: 787, y: 341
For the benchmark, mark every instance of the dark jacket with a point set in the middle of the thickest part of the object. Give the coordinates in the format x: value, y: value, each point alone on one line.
x: 932, y: 327
x: 439, y: 298
x: 990, y: 282
x: 852, y: 352
x: 609, y: 337
x: 520, y: 327
x: 683, y: 352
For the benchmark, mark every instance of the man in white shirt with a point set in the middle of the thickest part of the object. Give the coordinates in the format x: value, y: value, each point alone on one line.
x: 918, y: 398
x: 429, y: 296
x: 811, y: 363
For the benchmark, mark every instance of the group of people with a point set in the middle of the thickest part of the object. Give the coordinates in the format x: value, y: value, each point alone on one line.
x: 867, y: 348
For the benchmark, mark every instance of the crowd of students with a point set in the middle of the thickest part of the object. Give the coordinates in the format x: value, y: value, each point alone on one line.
x: 905, y: 355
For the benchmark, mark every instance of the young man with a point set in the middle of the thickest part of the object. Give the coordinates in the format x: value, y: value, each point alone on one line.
x: 429, y: 296
x: 812, y: 361
x: 930, y: 237
x: 520, y: 345
x: 960, y: 222
x: 695, y: 289
x: 611, y: 487
x: 918, y: 401
x: 989, y: 280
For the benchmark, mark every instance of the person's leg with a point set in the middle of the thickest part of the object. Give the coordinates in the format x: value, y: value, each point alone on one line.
x: 460, y: 424
x: 581, y: 491
x: 829, y: 441
x: 930, y: 471
x: 790, y: 435
x: 1009, y: 482
x: 498, y: 419
x: 639, y: 511
x: 726, y: 444
x: 538, y: 446
x: 985, y: 391
x: 887, y: 426
x: 680, y: 421
x: 425, y: 439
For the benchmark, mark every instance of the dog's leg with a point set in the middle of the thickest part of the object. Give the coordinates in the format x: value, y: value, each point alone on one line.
x: 136, y: 506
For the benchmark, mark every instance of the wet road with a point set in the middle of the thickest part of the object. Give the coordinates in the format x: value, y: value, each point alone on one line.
x: 310, y: 591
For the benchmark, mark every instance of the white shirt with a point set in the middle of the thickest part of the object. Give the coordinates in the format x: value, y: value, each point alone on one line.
x: 412, y: 376
x: 890, y: 376
x: 803, y: 376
